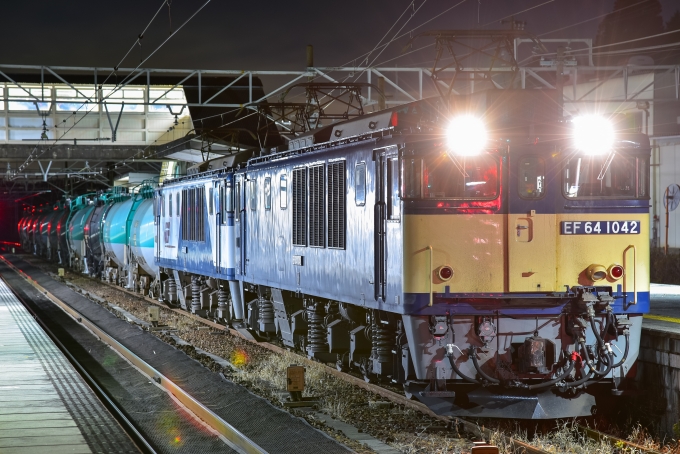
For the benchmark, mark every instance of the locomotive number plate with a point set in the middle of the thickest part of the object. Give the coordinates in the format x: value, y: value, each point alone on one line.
x: 600, y: 227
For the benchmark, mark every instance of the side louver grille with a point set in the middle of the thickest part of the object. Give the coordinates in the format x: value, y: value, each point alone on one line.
x: 336, y: 205
x: 316, y: 206
x: 300, y: 207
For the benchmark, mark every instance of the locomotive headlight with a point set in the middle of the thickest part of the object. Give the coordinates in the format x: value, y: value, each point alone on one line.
x: 593, y: 134
x: 466, y: 136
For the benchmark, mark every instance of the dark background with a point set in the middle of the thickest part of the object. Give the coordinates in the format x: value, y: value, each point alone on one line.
x: 261, y: 34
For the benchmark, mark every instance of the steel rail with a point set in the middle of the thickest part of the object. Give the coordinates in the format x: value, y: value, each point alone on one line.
x: 616, y: 442
x: 236, y: 439
x: 516, y: 446
x: 104, y: 398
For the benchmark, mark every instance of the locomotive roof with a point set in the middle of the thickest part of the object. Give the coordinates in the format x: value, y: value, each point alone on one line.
x: 509, y: 113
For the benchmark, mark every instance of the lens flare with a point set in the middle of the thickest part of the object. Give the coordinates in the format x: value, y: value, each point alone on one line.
x: 593, y: 134
x: 466, y: 136
x: 239, y: 358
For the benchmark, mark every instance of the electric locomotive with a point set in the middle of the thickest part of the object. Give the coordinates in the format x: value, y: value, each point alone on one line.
x: 486, y: 253
x: 489, y: 255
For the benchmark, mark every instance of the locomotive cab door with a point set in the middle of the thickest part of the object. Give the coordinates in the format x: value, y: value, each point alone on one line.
x: 157, y: 222
x: 387, y: 225
x: 218, y: 201
x: 531, y: 226
x: 240, y: 221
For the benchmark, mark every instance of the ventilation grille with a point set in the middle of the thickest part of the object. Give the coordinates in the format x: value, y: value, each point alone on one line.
x: 317, y: 216
x: 193, y: 212
x: 336, y: 205
x: 300, y: 207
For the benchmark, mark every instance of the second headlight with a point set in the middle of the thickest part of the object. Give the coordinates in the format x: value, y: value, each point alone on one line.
x: 593, y: 134
x: 466, y: 136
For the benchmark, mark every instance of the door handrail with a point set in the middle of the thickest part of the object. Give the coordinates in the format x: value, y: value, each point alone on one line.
x: 625, y: 276
x: 429, y: 276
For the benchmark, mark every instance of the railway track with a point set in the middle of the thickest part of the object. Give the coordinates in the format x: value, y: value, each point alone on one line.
x: 236, y: 439
x: 514, y: 445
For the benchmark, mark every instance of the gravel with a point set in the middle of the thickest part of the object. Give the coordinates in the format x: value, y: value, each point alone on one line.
x: 264, y: 373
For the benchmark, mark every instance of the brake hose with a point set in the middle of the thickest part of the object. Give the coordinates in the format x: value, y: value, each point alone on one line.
x: 484, y: 375
x: 554, y: 380
x: 625, y: 351
x: 585, y: 377
x: 457, y: 371
x: 600, y: 344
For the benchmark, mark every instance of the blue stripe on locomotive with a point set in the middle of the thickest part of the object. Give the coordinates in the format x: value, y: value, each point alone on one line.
x: 470, y: 304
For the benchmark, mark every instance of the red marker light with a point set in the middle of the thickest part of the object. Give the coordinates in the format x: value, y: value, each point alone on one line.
x: 445, y: 273
x: 394, y: 120
x: 616, y: 271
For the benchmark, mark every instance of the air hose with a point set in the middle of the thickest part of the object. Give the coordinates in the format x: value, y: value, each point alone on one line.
x: 587, y: 376
x: 565, y: 374
x: 449, y: 354
x: 625, y: 351
x: 483, y: 374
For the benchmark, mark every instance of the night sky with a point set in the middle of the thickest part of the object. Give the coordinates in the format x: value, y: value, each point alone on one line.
x: 261, y: 34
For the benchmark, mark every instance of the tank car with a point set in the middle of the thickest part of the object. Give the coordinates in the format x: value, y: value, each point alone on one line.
x: 488, y: 255
x: 81, y: 209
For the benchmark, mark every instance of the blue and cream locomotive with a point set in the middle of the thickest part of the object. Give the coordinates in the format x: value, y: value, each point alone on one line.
x: 487, y: 254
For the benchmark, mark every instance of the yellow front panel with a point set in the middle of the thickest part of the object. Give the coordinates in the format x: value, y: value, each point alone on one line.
x: 576, y: 252
x: 472, y: 244
x: 531, y: 252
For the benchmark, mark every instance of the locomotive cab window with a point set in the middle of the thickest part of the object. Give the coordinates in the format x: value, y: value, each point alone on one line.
x: 170, y: 205
x: 222, y: 205
x: 284, y: 192
x: 393, y: 200
x: 253, y: 194
x: 531, y: 173
x: 360, y: 184
x: 624, y: 177
x: 440, y: 177
x: 267, y: 193
x: 237, y: 202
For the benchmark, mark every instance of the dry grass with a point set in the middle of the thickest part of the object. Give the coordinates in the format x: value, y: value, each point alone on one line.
x: 565, y: 439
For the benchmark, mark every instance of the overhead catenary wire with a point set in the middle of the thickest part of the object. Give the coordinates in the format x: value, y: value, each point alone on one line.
x: 430, y: 45
x: 518, y: 12
x: 410, y: 5
x: 589, y: 20
x: 381, y: 45
x: 395, y: 37
x: 412, y: 30
x: 126, y: 78
x: 137, y: 41
x: 31, y: 157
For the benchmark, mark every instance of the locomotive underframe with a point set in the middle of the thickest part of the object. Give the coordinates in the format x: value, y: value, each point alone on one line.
x: 418, y: 350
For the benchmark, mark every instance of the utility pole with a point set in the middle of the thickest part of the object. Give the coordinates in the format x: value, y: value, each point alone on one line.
x: 310, y: 56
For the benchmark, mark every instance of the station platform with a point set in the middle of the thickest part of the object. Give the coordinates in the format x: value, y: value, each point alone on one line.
x: 45, y: 405
x: 664, y: 314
